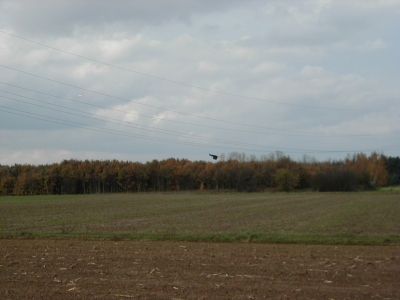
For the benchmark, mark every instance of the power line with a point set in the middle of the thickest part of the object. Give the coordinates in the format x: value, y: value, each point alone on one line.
x: 163, y: 119
x: 93, y: 128
x: 186, y: 84
x: 127, y: 124
x: 298, y: 133
x: 126, y: 100
x: 121, y: 133
x: 296, y: 150
x: 90, y: 127
x: 114, y: 132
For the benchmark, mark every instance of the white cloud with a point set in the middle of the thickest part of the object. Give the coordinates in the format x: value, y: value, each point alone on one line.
x: 87, y: 70
x: 368, y: 124
x: 365, y: 45
x: 269, y: 67
x: 310, y: 71
x: 35, y: 156
x: 40, y: 156
x: 163, y: 116
x: 205, y: 66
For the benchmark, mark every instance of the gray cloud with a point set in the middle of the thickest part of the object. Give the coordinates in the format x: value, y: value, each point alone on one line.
x: 276, y: 65
x: 63, y: 18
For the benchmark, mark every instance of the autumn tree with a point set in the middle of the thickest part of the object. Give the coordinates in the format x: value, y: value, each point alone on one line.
x: 371, y: 170
x: 238, y: 172
x: 286, y: 179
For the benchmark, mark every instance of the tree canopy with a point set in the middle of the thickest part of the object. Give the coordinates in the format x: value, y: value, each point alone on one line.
x: 232, y: 172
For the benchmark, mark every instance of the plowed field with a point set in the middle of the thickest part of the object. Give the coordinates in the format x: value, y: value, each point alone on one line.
x: 79, y: 269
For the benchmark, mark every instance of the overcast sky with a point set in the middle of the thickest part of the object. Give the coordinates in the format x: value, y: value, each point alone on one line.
x: 144, y: 80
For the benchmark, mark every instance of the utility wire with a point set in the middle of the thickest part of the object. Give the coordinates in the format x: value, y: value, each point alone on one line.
x: 93, y: 128
x: 116, y: 132
x: 130, y: 101
x: 127, y: 124
x: 175, y: 82
x: 298, y: 133
x: 185, y: 84
x: 167, y: 120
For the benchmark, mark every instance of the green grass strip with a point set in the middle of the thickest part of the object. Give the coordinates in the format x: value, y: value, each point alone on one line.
x: 322, y: 239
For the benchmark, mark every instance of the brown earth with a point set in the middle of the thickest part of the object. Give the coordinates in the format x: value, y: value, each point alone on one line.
x: 77, y: 269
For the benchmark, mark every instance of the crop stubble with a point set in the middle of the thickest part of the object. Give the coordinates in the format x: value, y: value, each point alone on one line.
x: 79, y: 269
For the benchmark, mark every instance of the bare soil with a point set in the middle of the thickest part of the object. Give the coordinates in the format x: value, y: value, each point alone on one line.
x: 80, y: 269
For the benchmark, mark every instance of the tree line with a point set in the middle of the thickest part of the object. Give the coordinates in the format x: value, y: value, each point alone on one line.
x: 234, y: 172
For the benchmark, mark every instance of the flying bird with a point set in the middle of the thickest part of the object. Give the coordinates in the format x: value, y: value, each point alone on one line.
x: 214, y: 156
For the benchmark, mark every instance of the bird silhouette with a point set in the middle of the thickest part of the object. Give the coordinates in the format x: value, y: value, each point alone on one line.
x: 214, y: 156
